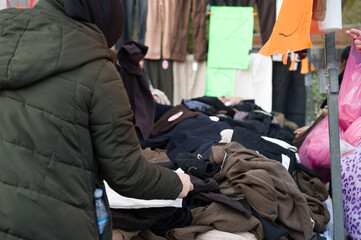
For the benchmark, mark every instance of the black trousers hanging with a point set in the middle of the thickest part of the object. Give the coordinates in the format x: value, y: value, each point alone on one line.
x: 141, y: 13
x: 289, y: 92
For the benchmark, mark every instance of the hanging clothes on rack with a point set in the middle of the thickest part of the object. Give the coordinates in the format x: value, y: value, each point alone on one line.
x: 187, y: 10
x: 289, y: 91
x: 291, y: 31
x: 141, y: 14
x: 189, y: 79
x: 318, y: 10
x: 227, y: 2
x: 266, y: 14
x: 167, y: 33
x: 256, y: 81
x: 160, y: 73
x: 168, y: 24
x: 229, y: 27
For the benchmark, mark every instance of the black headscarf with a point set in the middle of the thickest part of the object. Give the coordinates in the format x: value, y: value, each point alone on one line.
x: 108, y: 15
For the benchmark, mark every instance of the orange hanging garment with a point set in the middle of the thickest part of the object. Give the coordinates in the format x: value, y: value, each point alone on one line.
x: 292, y: 29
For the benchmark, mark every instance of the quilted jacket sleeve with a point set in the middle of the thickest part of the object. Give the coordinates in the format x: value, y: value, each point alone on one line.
x: 116, y: 146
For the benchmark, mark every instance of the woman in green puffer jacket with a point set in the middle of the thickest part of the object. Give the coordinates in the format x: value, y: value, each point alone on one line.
x: 66, y: 122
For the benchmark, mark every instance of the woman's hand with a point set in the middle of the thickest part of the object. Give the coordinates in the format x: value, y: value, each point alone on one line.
x: 187, y: 184
x: 355, y: 34
x: 300, y: 131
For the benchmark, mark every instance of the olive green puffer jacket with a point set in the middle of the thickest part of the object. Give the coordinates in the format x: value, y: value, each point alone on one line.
x: 65, y: 124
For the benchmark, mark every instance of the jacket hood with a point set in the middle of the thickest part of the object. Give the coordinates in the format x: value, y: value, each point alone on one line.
x: 43, y: 41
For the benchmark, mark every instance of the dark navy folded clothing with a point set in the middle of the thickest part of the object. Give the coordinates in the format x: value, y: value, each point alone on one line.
x: 188, y: 136
x: 217, y: 104
x: 254, y: 141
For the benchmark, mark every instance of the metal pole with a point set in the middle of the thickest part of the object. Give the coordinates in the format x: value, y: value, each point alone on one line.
x: 309, y: 92
x: 333, y: 125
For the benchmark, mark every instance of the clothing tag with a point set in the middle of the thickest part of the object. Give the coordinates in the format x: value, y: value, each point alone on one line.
x: 277, y: 57
x: 175, y: 116
x: 286, y: 161
x: 293, y: 61
x: 296, y: 66
x: 165, y: 64
x: 227, y: 103
x: 195, y: 67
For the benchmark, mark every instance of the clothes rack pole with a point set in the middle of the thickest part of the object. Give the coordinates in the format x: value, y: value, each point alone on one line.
x: 309, y: 92
x: 334, y: 135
